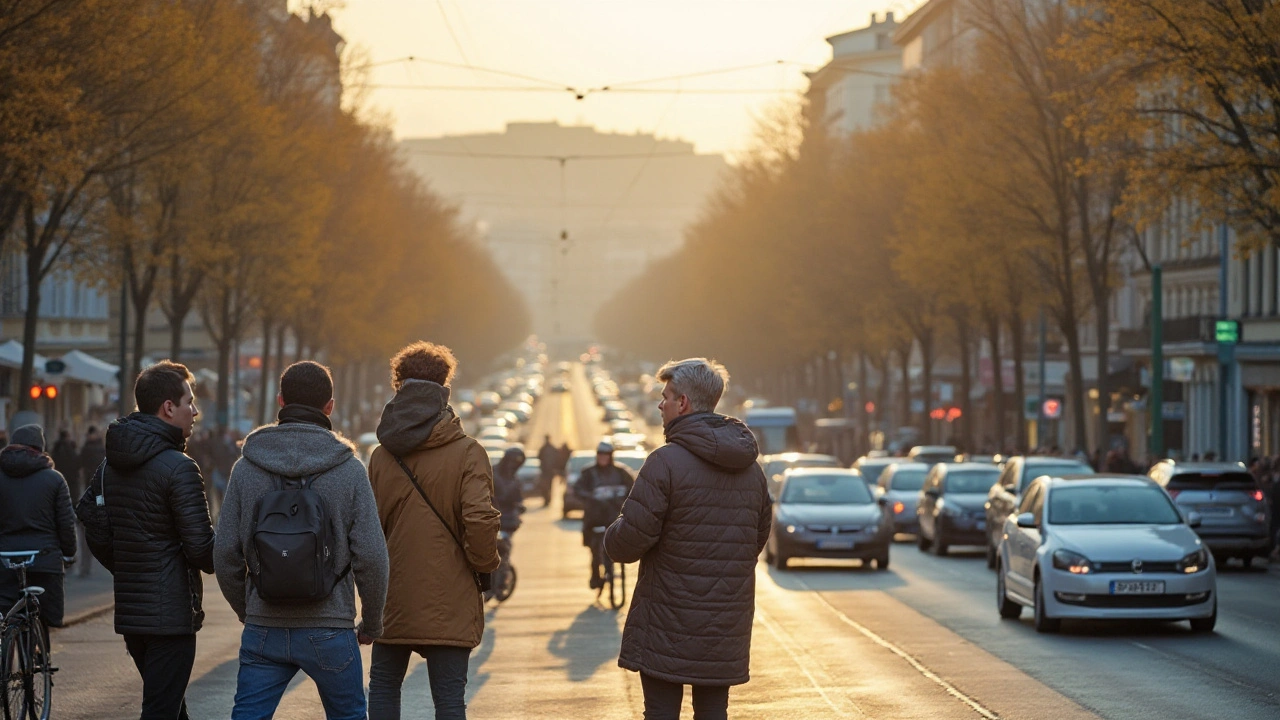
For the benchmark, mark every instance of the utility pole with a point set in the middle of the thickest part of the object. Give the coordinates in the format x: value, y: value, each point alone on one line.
x: 1157, y: 363
x: 123, y: 374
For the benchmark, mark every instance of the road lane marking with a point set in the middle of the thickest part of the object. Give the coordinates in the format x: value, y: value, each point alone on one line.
x: 1200, y: 667
x: 787, y: 645
x: 951, y: 690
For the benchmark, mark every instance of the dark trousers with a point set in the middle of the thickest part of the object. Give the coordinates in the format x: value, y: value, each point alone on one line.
x: 51, y: 601
x: 662, y: 700
x: 446, y: 672
x: 165, y: 663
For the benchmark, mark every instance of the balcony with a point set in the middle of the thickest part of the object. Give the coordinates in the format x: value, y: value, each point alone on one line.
x: 1179, y: 330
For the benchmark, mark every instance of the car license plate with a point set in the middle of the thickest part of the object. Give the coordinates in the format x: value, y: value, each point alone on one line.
x: 1215, y: 511
x: 835, y: 544
x: 982, y: 524
x: 1137, y: 587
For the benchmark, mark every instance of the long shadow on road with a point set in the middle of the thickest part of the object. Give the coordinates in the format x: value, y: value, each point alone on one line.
x: 590, y: 641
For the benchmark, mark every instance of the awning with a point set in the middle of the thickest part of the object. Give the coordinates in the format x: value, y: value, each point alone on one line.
x: 11, y: 357
x: 87, y: 368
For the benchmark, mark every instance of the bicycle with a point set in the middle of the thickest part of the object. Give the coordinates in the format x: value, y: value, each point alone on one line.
x: 504, y: 578
x: 24, y: 649
x: 615, y: 573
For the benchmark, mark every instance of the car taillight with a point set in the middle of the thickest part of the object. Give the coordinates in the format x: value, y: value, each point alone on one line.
x: 898, y: 508
x: 1257, y: 495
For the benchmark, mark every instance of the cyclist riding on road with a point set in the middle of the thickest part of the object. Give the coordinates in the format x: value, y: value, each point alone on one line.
x: 603, y: 488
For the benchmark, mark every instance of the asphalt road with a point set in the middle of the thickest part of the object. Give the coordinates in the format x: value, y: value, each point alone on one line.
x: 921, y: 640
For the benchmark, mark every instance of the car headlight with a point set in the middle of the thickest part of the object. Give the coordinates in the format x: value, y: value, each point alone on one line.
x: 1195, y: 562
x: 1073, y: 562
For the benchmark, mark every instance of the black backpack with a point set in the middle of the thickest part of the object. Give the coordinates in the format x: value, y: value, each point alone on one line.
x: 292, y: 542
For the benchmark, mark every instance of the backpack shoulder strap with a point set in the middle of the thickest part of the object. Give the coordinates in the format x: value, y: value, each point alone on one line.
x: 414, y: 479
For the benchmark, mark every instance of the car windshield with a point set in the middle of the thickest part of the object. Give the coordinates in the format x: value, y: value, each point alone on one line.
x: 632, y: 463
x: 1212, y: 481
x: 871, y: 471
x: 577, y: 463
x: 776, y: 467
x: 1057, y: 470
x: 971, y: 481
x: 826, y: 490
x: 1111, y: 505
x: 909, y: 480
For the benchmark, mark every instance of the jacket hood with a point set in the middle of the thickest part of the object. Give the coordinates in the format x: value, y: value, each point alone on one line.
x: 718, y: 439
x: 133, y: 440
x: 412, y: 416
x: 18, y: 461
x: 296, y: 449
x: 511, y: 461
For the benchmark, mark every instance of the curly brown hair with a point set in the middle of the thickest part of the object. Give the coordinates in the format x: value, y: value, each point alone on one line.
x: 423, y: 361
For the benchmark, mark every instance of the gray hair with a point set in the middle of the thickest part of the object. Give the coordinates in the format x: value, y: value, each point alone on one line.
x: 701, y: 380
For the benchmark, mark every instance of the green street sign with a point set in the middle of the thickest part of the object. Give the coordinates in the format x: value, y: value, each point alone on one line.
x: 1227, y: 331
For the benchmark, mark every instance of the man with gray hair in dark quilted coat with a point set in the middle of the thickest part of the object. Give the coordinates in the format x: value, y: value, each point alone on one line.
x: 697, y: 519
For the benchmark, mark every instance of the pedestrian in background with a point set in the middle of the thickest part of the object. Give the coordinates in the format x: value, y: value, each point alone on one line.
x: 66, y: 456
x: 160, y: 537
x: 310, y: 626
x: 697, y: 520
x: 35, y: 514
x: 548, y: 461
x: 93, y: 453
x: 434, y: 488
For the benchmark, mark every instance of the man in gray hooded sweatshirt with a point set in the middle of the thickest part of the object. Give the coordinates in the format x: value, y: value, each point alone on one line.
x: 318, y: 637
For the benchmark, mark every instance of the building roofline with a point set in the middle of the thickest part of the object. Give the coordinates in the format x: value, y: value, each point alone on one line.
x: 909, y: 28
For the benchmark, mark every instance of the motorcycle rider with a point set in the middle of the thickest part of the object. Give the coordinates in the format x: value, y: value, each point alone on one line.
x: 508, y: 498
x: 603, y: 488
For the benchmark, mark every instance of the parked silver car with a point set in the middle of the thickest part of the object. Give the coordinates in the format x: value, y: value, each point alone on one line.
x: 900, y: 484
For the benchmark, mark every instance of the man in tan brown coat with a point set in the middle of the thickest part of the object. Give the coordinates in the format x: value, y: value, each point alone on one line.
x: 438, y: 542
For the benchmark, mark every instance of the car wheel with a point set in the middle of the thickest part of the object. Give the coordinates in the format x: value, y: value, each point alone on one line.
x: 1205, y: 624
x: 1246, y: 561
x: 922, y: 542
x: 768, y: 554
x: 940, y: 544
x: 780, y: 561
x: 1044, y: 624
x: 882, y: 562
x: 1009, y: 610
x: 991, y: 555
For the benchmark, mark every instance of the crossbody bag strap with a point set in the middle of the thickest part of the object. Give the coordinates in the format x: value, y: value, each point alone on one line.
x: 414, y: 479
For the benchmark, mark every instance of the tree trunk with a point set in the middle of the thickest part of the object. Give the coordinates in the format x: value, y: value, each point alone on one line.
x: 1102, y: 313
x: 1017, y: 338
x: 904, y: 389
x: 860, y: 409
x: 224, y: 362
x: 1076, y: 395
x: 966, y: 384
x: 265, y: 398
x: 997, y: 379
x: 926, y: 381
x: 30, y: 320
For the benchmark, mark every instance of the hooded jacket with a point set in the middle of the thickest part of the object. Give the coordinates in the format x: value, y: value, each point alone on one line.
x: 297, y: 450
x: 696, y: 519
x: 432, y: 598
x: 35, y: 508
x: 507, y: 495
x: 161, y: 536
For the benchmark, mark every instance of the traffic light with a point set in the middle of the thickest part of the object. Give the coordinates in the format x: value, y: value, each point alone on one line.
x: 38, y: 391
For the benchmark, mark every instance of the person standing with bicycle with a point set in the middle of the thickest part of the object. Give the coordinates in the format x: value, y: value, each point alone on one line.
x: 434, y: 488
x: 602, y: 488
x: 696, y: 521
x: 35, y: 514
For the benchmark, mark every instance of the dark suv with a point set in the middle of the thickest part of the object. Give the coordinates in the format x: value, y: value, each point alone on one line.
x: 1017, y: 474
x: 1234, y: 518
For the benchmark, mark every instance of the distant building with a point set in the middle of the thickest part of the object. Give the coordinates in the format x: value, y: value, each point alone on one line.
x: 937, y: 33
x: 846, y: 93
x: 581, y: 216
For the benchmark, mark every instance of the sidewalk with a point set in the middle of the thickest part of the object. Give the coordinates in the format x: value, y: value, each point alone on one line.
x: 88, y: 597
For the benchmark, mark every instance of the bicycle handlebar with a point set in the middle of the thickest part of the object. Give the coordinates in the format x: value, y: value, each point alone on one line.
x: 30, y: 556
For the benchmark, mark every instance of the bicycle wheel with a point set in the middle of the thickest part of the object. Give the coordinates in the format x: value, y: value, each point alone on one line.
x: 40, y: 689
x: 507, y: 585
x: 13, y: 668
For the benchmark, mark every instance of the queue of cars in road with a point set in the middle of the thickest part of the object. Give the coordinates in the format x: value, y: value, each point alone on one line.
x: 1064, y: 541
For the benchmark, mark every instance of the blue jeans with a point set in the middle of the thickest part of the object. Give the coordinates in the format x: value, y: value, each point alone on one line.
x: 446, y: 672
x: 270, y: 657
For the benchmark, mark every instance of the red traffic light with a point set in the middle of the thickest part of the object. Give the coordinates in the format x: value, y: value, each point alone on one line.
x: 36, y: 392
x: 870, y: 407
x: 51, y: 391
x: 43, y: 391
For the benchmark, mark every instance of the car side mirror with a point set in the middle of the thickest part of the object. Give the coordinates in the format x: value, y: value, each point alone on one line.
x: 932, y: 492
x: 882, y: 501
x: 1193, y: 519
x: 1026, y: 520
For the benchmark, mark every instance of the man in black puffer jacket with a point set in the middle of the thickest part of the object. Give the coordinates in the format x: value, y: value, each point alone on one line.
x: 161, y: 536
x: 35, y: 514
x: 696, y: 519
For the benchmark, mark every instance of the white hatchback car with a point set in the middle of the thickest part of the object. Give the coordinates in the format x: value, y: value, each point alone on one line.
x: 1104, y: 547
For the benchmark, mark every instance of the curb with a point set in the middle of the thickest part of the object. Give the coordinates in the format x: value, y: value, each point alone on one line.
x: 87, y: 615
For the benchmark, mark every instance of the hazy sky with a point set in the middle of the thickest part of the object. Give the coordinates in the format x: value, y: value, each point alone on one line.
x: 593, y: 43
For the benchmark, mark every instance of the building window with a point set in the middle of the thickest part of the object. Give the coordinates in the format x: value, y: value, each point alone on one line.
x: 883, y: 41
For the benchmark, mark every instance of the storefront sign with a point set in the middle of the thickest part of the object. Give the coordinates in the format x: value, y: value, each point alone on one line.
x: 1181, y: 369
x: 1227, y: 331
